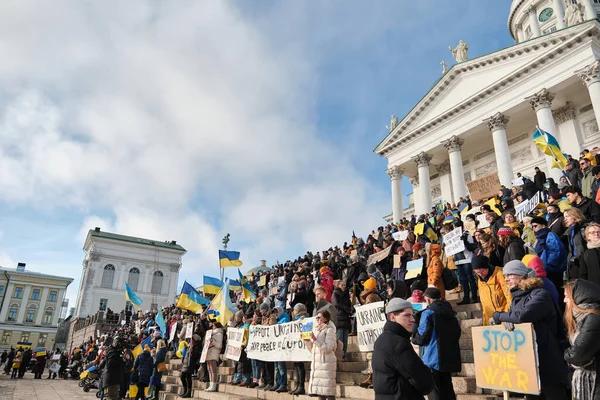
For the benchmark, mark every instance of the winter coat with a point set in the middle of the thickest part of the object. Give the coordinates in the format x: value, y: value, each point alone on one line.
x: 325, y: 305
x: 436, y: 268
x: 216, y: 344
x: 144, y: 365
x: 590, y: 209
x: 575, y: 176
x: 301, y: 297
x: 551, y: 250
x: 532, y: 303
x: 323, y: 365
x: 398, y: 372
x: 192, y: 356
x: 281, y: 297
x: 514, y: 251
x: 586, y: 182
x: 493, y: 293
x: 369, y: 296
x: 283, y: 318
x: 161, y: 356
x: 539, y: 179
x: 327, y: 283
x: 589, y: 265
x: 576, y: 246
x: 343, y: 308
x: 438, y: 334
x: 586, y: 346
x: 113, y: 368
x: 555, y: 223
x: 399, y: 289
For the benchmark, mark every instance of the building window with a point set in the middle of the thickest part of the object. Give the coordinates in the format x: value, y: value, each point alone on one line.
x: 35, y: 294
x: 108, y: 276
x: 12, y: 312
x: 48, y: 317
x: 18, y: 293
x: 103, y: 304
x: 52, y: 296
x: 157, y: 281
x: 6, y: 337
x: 528, y: 32
x: 42, y: 339
x: 24, y: 337
x: 30, y: 315
x: 133, y: 279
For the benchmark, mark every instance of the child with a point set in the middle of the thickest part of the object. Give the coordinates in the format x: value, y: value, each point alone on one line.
x: 16, y: 365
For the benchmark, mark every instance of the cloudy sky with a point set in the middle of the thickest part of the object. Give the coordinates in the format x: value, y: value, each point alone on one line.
x: 185, y: 120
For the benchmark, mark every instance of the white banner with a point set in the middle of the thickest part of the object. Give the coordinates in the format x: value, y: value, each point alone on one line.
x: 281, y: 342
x: 482, y: 221
x: 189, y: 331
x: 173, y: 332
x: 400, y: 235
x: 453, y: 242
x: 207, y: 338
x: 235, y: 337
x: 527, y: 206
x: 370, y: 320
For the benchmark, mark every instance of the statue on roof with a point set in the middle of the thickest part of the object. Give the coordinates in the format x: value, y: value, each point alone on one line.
x: 460, y: 53
x: 573, y: 15
x: 393, y: 123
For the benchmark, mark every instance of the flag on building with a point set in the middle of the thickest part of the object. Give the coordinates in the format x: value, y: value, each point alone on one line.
x: 221, y: 307
x: 190, y: 299
x: 229, y: 259
x: 132, y: 297
x: 247, y: 292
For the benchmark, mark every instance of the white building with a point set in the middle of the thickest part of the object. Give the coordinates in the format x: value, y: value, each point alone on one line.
x: 480, y: 116
x: 151, y: 268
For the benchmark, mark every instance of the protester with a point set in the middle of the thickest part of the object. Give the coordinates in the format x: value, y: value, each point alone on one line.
x: 493, y: 290
x: 536, y: 264
x: 113, y: 368
x: 586, y: 181
x: 213, y: 353
x: 589, y: 208
x: 323, y: 367
x: 280, y: 366
x: 435, y: 269
x: 589, y: 262
x: 551, y: 250
x: 462, y: 260
x: 155, y: 379
x: 321, y: 303
x: 491, y: 250
x: 555, y: 218
x: 344, y: 311
x: 300, y: 312
x: 576, y: 243
x: 511, y: 242
x: 143, y: 366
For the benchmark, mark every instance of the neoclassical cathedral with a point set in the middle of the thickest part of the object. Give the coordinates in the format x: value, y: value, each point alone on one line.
x: 150, y: 268
x: 479, y: 118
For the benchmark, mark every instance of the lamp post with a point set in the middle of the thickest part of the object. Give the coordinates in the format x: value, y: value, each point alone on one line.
x: 225, y: 241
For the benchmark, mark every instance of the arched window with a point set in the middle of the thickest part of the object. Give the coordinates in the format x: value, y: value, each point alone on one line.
x: 157, y: 281
x: 134, y: 278
x: 108, y: 276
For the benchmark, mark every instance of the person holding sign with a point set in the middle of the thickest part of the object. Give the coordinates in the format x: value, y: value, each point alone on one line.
x: 532, y: 303
x: 300, y: 312
x: 214, y: 352
x: 493, y: 291
x: 323, y: 367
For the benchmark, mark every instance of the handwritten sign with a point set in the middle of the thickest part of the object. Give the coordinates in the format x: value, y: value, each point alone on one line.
x: 307, y: 329
x: 370, y: 320
x: 527, y: 206
x: 453, y: 242
x: 173, y: 331
x: 485, y: 187
x: 189, y: 331
x: 235, y: 338
x: 482, y: 221
x: 506, y: 360
x: 400, y: 235
x: 262, y: 281
x: 207, y: 339
x: 282, y: 342
x: 413, y: 268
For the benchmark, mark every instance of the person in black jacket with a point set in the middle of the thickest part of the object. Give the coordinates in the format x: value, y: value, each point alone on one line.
x: 343, y: 310
x: 144, y: 366
x: 555, y: 218
x: 301, y: 297
x: 192, y: 356
x: 398, y: 372
x: 539, y: 179
x: 582, y: 317
x: 589, y: 208
x: 575, y: 240
x: 113, y: 368
x: 589, y: 262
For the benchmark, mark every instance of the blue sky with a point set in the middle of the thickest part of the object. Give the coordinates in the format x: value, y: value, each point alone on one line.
x: 184, y: 121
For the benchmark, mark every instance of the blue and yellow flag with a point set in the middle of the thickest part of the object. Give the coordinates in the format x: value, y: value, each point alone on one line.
x: 140, y: 347
x: 160, y: 321
x: 234, y: 285
x: 463, y: 209
x: 211, y: 285
x: 221, y: 307
x: 549, y: 146
x: 229, y: 259
x: 492, y: 203
x: 190, y: 299
x: 132, y: 297
x: 247, y: 292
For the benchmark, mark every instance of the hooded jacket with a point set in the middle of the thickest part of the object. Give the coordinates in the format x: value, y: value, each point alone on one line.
x: 343, y: 308
x: 113, y: 367
x: 514, y: 251
x: 436, y: 268
x: 493, y: 293
x: 551, y: 250
x: 399, y: 289
x: 144, y: 365
x: 576, y: 246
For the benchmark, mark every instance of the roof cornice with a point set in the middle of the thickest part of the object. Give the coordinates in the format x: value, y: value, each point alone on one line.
x: 26, y: 274
x: 390, y: 142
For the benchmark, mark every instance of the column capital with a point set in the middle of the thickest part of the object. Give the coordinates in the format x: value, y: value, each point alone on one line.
x: 453, y: 144
x: 541, y: 99
x: 395, y: 172
x: 422, y: 159
x: 497, y: 121
x: 444, y: 168
x: 564, y: 114
x: 590, y: 73
x: 414, y: 181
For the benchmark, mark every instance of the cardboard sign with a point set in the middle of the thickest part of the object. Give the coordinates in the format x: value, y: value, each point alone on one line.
x: 453, y: 242
x: 485, y: 187
x: 506, y: 360
x: 400, y: 235
x: 377, y: 257
x: 370, y: 320
x: 473, y: 211
x: 413, y: 268
x: 307, y: 329
x: 173, y: 332
x: 397, y: 259
x: 470, y: 226
x: 262, y: 281
x: 235, y: 338
x: 482, y: 221
x: 207, y: 338
x: 524, y: 208
x: 189, y: 331
x: 274, y: 291
x: 282, y: 342
x: 55, y: 357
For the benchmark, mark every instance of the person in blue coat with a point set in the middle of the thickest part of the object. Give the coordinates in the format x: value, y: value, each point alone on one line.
x: 280, y: 366
x: 532, y: 303
x: 552, y: 251
x: 143, y: 366
x: 159, y: 358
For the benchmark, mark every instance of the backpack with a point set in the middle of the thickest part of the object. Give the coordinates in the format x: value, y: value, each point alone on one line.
x: 449, y: 278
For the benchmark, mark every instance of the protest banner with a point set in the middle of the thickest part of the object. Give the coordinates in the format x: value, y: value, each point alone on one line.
x: 263, y: 281
x: 282, y: 342
x: 207, y: 338
x: 484, y: 187
x: 189, y: 331
x: 453, y: 242
x: 413, y: 268
x: 400, y: 235
x: 370, y: 320
x: 307, y: 329
x: 377, y: 257
x: 235, y: 337
x: 527, y: 206
x: 482, y: 221
x: 506, y: 360
x: 173, y: 331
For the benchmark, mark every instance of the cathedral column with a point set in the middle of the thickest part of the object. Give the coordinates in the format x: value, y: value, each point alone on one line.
x: 395, y: 174
x: 589, y: 11
x: 541, y: 103
x: 459, y: 186
x: 422, y: 160
x: 533, y: 22
x: 590, y: 75
x: 568, y: 131
x: 497, y: 125
x: 443, y: 170
x: 416, y: 194
x: 559, y: 12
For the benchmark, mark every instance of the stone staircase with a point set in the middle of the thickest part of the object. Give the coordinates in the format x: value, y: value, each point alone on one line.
x: 348, y: 375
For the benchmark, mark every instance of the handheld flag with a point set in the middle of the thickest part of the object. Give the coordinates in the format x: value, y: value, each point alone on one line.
x: 160, y: 321
x: 140, y: 347
x: 229, y: 259
x: 212, y: 285
x: 132, y: 297
x: 492, y: 203
x: 549, y: 146
x: 190, y: 299
x: 247, y: 291
x: 221, y: 306
x: 463, y: 209
x: 234, y: 285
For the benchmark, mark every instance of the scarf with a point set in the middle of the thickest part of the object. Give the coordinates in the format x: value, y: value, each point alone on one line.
x: 593, y: 245
x: 584, y: 378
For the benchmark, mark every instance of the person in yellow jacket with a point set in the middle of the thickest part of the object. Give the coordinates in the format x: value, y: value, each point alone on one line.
x: 494, y: 294
x: 16, y: 365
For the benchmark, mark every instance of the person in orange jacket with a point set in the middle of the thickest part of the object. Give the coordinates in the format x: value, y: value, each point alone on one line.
x: 435, y: 268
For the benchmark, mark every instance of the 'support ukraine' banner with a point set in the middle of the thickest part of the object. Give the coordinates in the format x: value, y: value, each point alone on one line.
x: 527, y: 206
x: 453, y: 242
x: 235, y: 337
x: 370, y: 320
x: 506, y: 360
x: 281, y: 342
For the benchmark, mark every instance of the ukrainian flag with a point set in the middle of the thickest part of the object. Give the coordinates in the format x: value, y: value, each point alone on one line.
x: 211, y: 285
x: 132, y: 297
x: 234, y: 285
x: 463, y: 209
x: 549, y: 146
x: 492, y: 203
x: 229, y: 259
x: 140, y: 347
x: 190, y: 299
x: 247, y: 291
x: 221, y: 307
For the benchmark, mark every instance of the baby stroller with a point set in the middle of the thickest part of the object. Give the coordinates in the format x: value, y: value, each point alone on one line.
x: 90, y: 378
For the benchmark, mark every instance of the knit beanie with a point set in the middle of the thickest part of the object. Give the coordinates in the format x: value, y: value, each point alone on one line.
x: 535, y: 263
x: 505, y: 230
x: 370, y: 283
x: 433, y: 293
x: 515, y: 267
